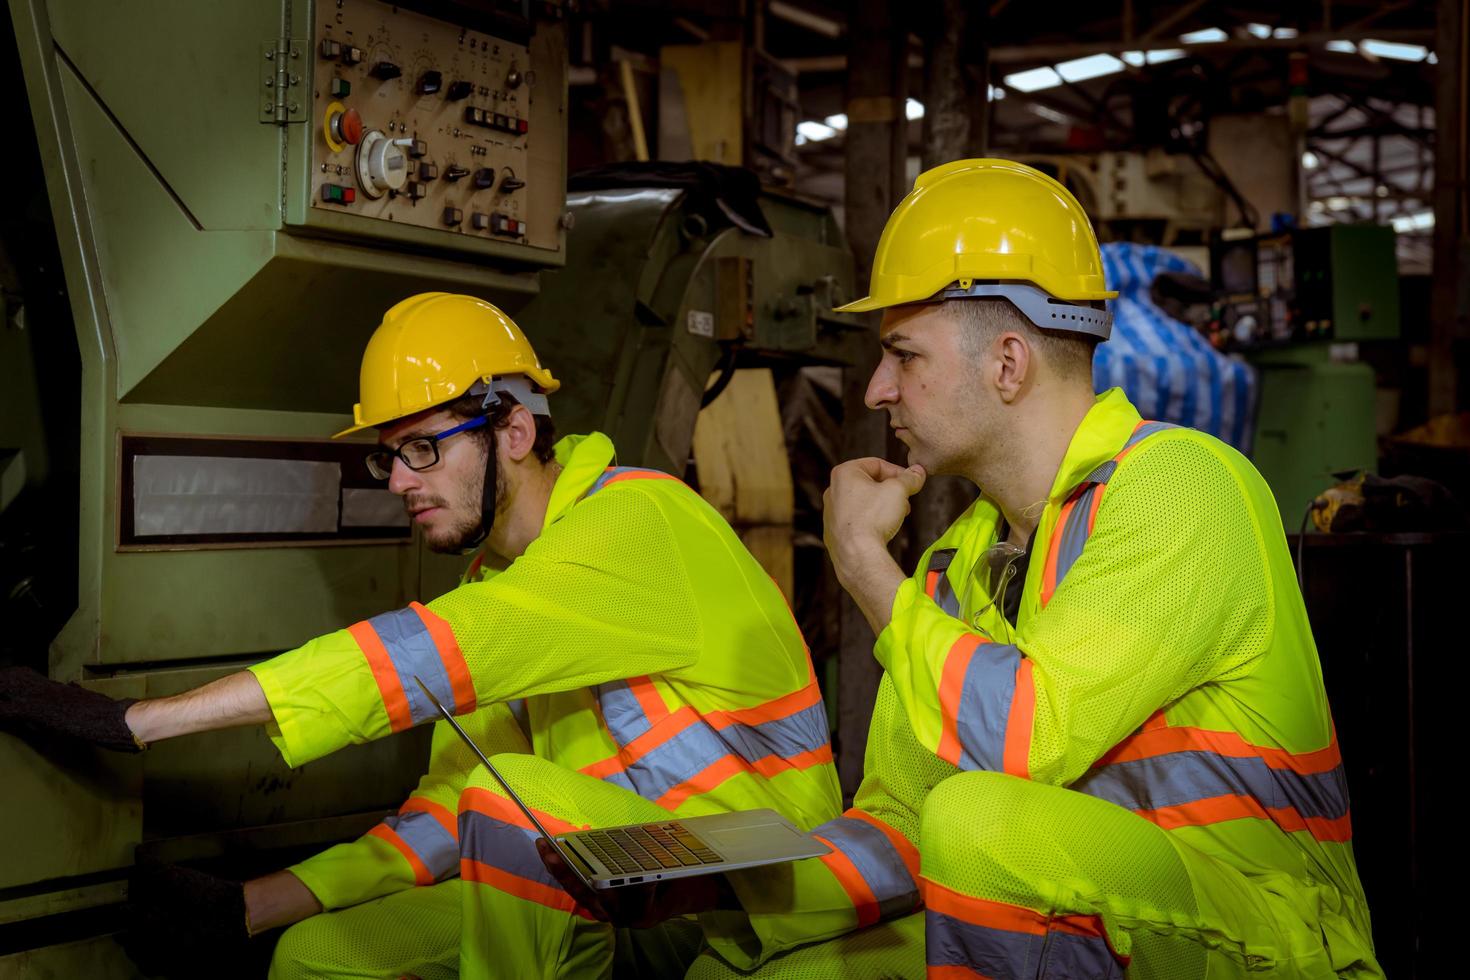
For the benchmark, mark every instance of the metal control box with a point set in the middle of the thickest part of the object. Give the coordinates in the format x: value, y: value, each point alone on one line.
x: 221, y: 293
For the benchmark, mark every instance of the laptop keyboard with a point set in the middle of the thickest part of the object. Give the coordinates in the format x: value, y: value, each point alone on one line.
x: 652, y: 847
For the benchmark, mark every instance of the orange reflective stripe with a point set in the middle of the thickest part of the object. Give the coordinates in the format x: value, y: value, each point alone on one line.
x: 1053, y: 550
x: 1011, y: 918
x: 1219, y: 809
x: 454, y: 663
x: 951, y: 692
x: 523, y: 888
x: 441, y: 813
x: 492, y: 804
x: 783, y: 707
x: 901, y: 844
x: 389, y: 687
x: 775, y: 765
x: 638, y: 475
x: 1092, y: 507
x: 1166, y: 739
x: 421, y: 873
x: 642, y: 745
x: 955, y: 973
x: 707, y: 779
x: 864, y: 902
x: 647, y: 694
x: 1019, y: 721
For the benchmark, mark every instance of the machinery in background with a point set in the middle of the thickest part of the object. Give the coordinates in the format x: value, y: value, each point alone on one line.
x: 726, y: 102
x: 1295, y: 305
x: 224, y: 262
x: 667, y: 292
x: 237, y: 190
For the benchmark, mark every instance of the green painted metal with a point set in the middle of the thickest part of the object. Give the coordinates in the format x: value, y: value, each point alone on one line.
x: 614, y: 323
x: 208, y: 299
x: 1349, y: 275
x: 1317, y: 415
x: 1316, y: 419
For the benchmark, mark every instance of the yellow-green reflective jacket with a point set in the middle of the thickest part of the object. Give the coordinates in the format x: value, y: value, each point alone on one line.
x: 1161, y: 660
x: 637, y: 637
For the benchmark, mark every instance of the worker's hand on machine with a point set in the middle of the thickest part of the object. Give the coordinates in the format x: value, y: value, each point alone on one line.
x: 863, y: 508
x: 639, y: 906
x: 35, y: 706
x: 179, y: 919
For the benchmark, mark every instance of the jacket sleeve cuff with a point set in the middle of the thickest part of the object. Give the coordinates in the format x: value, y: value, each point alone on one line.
x: 323, y: 697
x: 890, y: 641
x: 355, y: 872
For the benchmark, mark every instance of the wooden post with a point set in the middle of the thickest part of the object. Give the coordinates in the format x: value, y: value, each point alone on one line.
x: 1447, y: 301
x: 876, y: 153
x: 956, y: 88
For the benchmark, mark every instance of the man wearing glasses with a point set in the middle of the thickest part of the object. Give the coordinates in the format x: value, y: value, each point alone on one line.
x: 612, y: 639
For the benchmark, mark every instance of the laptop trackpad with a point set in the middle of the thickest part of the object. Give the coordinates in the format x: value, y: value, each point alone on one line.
x: 741, y: 843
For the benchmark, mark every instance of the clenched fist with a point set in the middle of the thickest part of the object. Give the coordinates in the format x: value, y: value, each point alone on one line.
x: 863, y: 509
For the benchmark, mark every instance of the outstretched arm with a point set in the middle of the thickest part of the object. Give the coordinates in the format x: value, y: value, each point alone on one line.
x: 232, y: 701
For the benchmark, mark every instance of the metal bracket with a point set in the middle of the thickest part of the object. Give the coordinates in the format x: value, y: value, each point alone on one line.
x: 283, y: 82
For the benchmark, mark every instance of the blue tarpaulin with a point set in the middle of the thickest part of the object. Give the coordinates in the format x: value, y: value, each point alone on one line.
x: 1167, y: 368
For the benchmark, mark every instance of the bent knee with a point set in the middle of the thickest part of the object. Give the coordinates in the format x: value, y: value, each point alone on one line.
x: 971, y: 807
x: 297, y: 950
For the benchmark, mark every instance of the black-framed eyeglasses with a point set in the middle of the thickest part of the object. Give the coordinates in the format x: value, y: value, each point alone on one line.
x: 417, y: 454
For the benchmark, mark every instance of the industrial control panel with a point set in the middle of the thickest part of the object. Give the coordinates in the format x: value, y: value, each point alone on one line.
x: 433, y: 125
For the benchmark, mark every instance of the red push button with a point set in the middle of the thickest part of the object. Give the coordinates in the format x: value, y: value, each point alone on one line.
x: 523, y: 125
x: 349, y: 127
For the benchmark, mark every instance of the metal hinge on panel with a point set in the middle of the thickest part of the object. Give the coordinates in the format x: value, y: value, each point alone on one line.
x: 283, y: 80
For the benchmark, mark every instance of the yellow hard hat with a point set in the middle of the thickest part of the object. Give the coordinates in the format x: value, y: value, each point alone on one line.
x: 986, y: 221
x: 433, y: 348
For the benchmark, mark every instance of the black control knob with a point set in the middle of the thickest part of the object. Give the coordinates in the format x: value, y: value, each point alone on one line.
x: 430, y: 82
x: 459, y: 90
x: 511, y: 184
x: 454, y: 172
x: 385, y: 70
x: 484, y: 178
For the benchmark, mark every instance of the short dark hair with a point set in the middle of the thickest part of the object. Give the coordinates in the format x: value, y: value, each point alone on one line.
x: 982, y: 319
x: 468, y: 407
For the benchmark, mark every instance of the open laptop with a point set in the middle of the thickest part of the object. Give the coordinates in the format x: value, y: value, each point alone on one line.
x: 615, y: 857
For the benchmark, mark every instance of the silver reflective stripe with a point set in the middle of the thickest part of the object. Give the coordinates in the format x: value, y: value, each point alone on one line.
x: 877, y: 860
x: 427, y: 838
x: 943, y: 592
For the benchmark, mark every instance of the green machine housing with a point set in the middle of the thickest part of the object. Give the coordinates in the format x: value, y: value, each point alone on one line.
x: 221, y: 282
x: 1312, y: 294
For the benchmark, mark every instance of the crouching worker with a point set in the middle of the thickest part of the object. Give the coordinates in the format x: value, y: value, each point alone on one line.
x: 612, y: 640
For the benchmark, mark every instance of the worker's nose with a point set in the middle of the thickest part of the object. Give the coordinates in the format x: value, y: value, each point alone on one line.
x: 402, y: 480
x: 882, y: 387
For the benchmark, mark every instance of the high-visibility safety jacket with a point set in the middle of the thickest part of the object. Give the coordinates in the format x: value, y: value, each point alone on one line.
x: 418, y: 845
x: 1161, y: 660
x: 638, y: 638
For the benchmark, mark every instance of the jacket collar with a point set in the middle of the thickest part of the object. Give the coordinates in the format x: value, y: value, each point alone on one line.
x: 583, y: 459
x: 1101, y: 436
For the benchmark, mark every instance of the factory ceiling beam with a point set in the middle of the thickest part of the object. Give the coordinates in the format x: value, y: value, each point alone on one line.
x: 877, y: 150
x: 1052, y: 53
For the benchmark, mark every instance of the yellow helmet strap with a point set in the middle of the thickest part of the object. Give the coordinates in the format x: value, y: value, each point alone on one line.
x: 518, y: 388
x: 1036, y: 305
